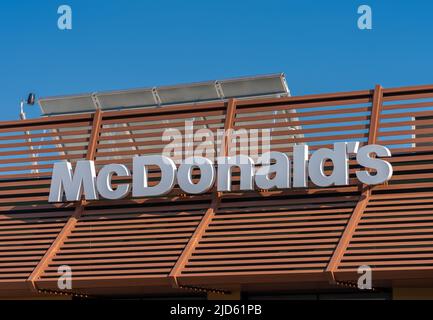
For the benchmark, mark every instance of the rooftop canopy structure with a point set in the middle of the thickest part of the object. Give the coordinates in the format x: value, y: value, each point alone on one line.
x: 257, y: 242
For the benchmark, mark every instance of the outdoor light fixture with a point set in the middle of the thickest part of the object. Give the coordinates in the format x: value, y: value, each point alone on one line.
x: 30, y: 101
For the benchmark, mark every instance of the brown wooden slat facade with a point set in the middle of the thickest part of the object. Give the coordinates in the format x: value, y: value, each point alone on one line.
x: 294, y: 239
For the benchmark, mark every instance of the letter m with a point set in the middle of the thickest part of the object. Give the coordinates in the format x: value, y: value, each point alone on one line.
x: 63, y: 180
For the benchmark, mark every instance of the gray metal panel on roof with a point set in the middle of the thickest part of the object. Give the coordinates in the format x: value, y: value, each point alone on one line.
x: 196, y: 92
x: 81, y: 103
x: 259, y: 86
x: 255, y: 86
x: 126, y: 99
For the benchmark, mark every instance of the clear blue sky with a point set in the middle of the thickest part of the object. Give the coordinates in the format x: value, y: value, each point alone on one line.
x: 129, y: 44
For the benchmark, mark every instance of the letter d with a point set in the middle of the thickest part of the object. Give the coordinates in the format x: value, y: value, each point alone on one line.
x: 140, y: 186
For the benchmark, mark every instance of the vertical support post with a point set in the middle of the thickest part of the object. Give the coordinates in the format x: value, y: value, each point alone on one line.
x: 375, y: 114
x: 210, y: 212
x: 346, y: 237
x: 228, y: 126
x: 79, y: 209
x: 94, y: 135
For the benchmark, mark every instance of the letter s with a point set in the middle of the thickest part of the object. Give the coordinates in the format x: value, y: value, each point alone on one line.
x: 383, y: 168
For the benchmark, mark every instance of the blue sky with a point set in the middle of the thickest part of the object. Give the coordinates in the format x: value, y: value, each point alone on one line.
x: 129, y: 44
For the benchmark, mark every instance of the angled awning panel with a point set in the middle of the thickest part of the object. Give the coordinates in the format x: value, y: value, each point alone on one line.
x: 278, y: 234
x: 28, y: 223
x: 394, y: 233
x: 135, y: 240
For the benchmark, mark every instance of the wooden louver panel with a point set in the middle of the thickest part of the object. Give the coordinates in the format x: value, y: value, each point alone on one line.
x: 277, y: 236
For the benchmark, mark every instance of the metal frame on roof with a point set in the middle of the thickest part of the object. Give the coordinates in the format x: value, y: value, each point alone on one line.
x: 273, y: 85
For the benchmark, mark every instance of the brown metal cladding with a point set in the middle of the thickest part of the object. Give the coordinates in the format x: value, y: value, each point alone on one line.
x: 365, y: 193
x: 290, y: 237
x: 72, y: 221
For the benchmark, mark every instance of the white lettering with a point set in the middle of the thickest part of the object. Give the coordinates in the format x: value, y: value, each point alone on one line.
x: 274, y: 171
x: 103, y: 182
x: 383, y: 168
x: 280, y: 169
x: 64, y: 181
x: 338, y: 156
x: 225, y: 166
x: 140, y: 186
x: 207, y: 175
